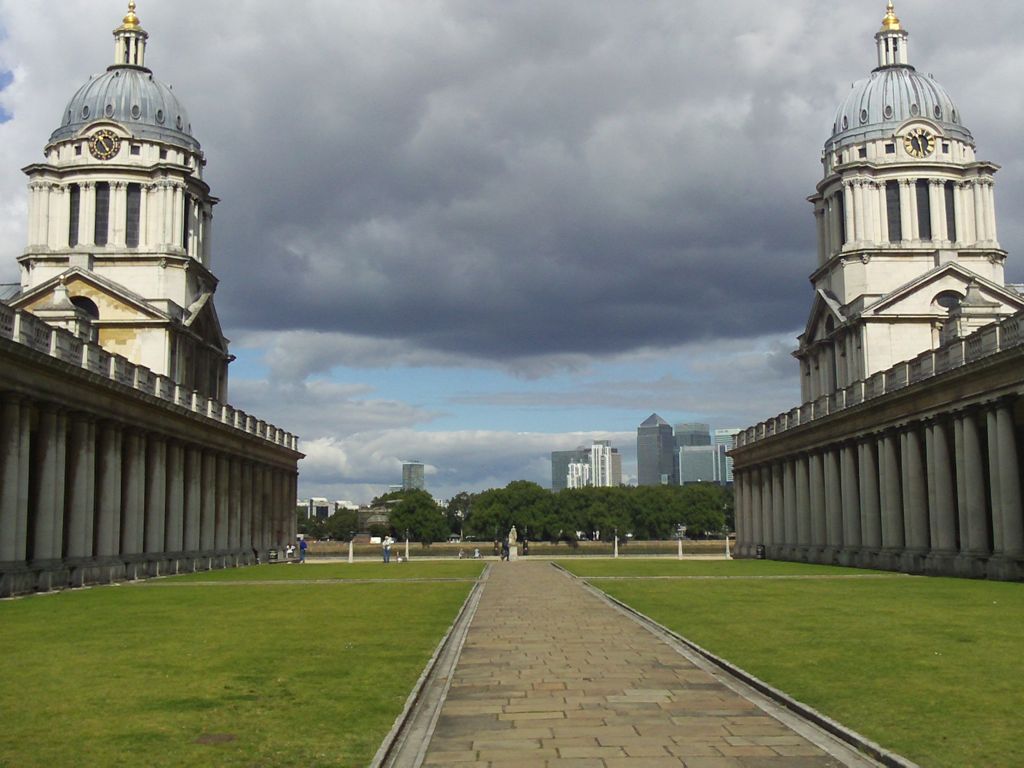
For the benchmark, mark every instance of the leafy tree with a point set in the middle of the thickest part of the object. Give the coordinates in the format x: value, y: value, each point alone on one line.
x: 342, y: 524
x: 419, y: 514
x: 458, y: 510
x: 310, y: 527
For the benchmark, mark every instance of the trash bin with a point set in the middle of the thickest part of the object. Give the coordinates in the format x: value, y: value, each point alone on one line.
x: 760, y: 552
x: 271, y: 555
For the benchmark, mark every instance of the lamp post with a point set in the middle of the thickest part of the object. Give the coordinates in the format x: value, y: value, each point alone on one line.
x: 351, y: 541
x: 682, y: 535
x: 725, y: 530
x: 406, y: 545
x: 616, y: 531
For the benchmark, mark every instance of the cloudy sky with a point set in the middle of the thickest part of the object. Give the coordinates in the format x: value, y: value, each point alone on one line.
x: 471, y: 232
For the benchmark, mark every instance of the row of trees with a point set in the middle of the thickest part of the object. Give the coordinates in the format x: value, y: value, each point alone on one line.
x: 647, y: 512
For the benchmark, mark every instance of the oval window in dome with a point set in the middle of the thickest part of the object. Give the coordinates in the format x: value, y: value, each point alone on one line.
x: 136, y: 111
x: 863, y: 115
x: 955, y: 117
x: 178, y: 122
x: 85, y: 112
x: 915, y: 110
x: 846, y: 122
x: 69, y: 118
x: 888, y: 111
x: 109, y: 110
x: 937, y: 112
x: 160, y: 116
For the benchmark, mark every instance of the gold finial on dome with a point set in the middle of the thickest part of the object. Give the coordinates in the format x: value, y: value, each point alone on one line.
x: 891, y: 23
x: 131, y: 21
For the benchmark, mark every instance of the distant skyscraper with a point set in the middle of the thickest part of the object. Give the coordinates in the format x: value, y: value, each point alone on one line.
x: 412, y: 476
x: 656, y: 453
x: 578, y: 475
x: 560, y: 461
x: 693, y: 433
x: 603, y: 462
x: 700, y: 464
x: 724, y: 439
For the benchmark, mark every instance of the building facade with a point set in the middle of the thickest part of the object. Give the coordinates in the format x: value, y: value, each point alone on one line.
x: 656, y: 453
x: 413, y: 478
x: 119, y: 457
x: 600, y: 465
x: 906, y: 453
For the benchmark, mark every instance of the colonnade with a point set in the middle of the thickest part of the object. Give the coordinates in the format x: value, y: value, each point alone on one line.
x: 169, y: 217
x: 857, y: 213
x: 940, y: 494
x: 87, y: 498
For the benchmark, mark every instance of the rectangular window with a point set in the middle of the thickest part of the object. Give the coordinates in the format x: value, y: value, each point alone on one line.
x: 893, y: 211
x: 76, y: 205
x: 136, y: 149
x: 841, y: 208
x: 134, y: 205
x: 950, y: 190
x: 78, y: 149
x: 186, y: 222
x: 924, y: 210
x: 102, y: 220
x: 862, y: 152
x: 890, y: 149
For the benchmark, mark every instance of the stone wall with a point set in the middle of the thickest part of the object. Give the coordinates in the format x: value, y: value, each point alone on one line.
x: 108, y: 471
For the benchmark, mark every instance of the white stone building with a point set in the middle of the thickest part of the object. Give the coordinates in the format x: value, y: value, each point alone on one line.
x: 906, y: 227
x: 119, y: 228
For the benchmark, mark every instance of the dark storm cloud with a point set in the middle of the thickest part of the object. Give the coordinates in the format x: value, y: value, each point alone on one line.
x: 501, y: 180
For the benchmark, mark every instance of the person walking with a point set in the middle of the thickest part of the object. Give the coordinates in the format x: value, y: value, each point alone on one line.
x: 303, y: 546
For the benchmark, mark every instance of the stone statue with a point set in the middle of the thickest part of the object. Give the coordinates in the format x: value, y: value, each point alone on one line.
x: 513, y: 537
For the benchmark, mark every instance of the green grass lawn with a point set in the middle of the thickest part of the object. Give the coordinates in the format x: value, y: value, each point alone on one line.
x: 931, y: 668
x: 441, y: 569
x: 232, y: 675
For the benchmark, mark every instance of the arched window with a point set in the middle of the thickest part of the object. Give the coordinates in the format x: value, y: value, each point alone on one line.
x: 75, y: 197
x: 949, y: 191
x: 924, y: 210
x: 133, y: 206
x: 948, y: 300
x: 87, y: 305
x: 102, y: 213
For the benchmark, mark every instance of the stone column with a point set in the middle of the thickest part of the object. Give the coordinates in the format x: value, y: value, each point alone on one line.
x: 13, y: 494
x: 915, y: 492
x: 937, y: 200
x: 779, y: 540
x: 234, y: 504
x: 247, y: 540
x: 48, y: 490
x: 803, y: 505
x: 858, y: 211
x: 176, y: 525
x: 942, y: 494
x: 789, y: 506
x: 980, y: 218
x: 870, y: 502
x: 133, y: 492
x: 221, y: 523
x: 816, y: 466
x: 258, y: 527
x: 156, y: 494
x: 81, y: 499
x: 193, y: 500
x: 108, y: 491
x: 990, y: 209
x: 969, y: 463
x: 891, y: 495
x: 850, y: 485
x: 1009, y: 514
x: 767, y: 508
x: 755, y: 507
x: 833, y: 501
x: 995, y: 487
x: 208, y: 503
x: 908, y: 214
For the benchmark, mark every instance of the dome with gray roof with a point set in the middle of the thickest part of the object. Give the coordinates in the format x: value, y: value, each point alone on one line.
x: 128, y: 94
x: 877, y: 105
x: 893, y: 94
x: 131, y: 96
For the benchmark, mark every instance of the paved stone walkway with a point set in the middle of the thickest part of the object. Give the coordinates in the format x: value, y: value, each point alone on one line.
x: 552, y: 675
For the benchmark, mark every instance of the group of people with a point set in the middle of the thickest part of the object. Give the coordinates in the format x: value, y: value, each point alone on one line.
x: 290, y: 550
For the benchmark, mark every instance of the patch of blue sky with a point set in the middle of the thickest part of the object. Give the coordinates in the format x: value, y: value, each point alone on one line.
x: 6, y: 78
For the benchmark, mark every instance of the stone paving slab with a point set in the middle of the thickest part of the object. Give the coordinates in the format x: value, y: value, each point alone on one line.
x: 551, y: 675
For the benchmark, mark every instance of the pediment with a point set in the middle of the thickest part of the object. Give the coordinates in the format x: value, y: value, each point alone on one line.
x: 824, y: 307
x: 203, y: 321
x: 923, y: 295
x: 113, y: 302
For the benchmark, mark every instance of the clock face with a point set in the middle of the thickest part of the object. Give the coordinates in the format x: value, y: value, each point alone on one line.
x: 919, y: 142
x: 104, y: 144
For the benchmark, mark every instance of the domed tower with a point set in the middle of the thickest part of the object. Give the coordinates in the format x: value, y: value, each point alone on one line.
x: 119, y: 224
x: 906, y: 223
